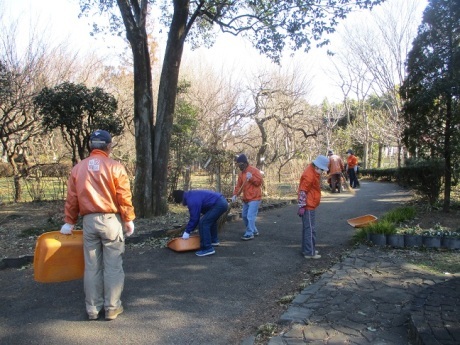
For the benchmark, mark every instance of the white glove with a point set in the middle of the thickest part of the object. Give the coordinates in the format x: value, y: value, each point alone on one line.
x: 248, y: 175
x: 129, y: 228
x: 355, y: 168
x: 185, y: 235
x: 67, y: 229
x: 234, y: 198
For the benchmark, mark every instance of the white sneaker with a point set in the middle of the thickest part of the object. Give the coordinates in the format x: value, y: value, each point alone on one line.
x: 316, y: 256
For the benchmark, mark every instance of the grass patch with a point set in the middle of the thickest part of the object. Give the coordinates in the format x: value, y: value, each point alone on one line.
x: 381, y: 227
x: 437, y: 261
x: 267, y: 330
x: 400, y: 214
x: 45, y: 188
x: 286, y: 299
x: 360, y: 235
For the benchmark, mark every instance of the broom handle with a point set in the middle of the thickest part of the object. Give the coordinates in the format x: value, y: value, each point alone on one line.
x: 241, y: 188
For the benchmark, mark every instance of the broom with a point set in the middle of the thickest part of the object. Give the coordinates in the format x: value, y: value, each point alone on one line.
x: 223, y: 219
x: 241, y: 189
x: 347, y: 185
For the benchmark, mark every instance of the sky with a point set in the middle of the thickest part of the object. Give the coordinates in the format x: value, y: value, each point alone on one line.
x: 59, y: 19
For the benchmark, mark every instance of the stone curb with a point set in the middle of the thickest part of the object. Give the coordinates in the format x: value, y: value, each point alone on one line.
x: 433, y: 318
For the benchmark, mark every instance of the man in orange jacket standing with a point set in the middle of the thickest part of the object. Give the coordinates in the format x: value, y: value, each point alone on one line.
x: 309, y: 198
x: 352, y: 169
x: 249, y: 183
x: 98, y: 190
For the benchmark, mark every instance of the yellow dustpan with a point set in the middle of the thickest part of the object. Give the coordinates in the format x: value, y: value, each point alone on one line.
x: 58, y: 257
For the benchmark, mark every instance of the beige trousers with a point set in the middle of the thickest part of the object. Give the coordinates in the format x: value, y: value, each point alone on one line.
x: 104, y: 246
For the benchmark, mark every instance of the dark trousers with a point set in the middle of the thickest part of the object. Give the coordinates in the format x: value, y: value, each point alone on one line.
x: 208, y: 224
x: 353, y: 179
x: 336, y: 183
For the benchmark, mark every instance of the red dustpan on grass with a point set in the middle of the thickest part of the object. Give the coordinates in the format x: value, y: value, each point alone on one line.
x: 180, y: 245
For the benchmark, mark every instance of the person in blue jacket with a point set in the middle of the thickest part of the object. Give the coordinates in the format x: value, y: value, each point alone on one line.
x: 209, y: 204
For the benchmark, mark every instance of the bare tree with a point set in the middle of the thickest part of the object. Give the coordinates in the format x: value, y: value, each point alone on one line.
x: 271, y: 26
x: 220, y: 103
x: 333, y: 114
x: 25, y: 71
x: 282, y: 121
x: 373, y: 54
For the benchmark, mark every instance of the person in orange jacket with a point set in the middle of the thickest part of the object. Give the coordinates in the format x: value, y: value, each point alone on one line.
x: 309, y: 197
x: 335, y: 169
x: 98, y: 190
x: 249, y: 183
x: 352, y: 169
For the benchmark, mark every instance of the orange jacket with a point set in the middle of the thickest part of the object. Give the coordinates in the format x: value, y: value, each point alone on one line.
x: 335, y: 165
x: 352, y: 161
x: 310, y: 183
x: 98, y: 184
x: 252, y: 189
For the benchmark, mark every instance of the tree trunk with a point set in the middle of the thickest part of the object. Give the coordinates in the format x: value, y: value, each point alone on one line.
x: 449, y: 129
x: 365, y: 160
x: 16, y: 179
x: 143, y: 124
x: 143, y: 113
x: 447, y: 156
x: 379, y: 157
x: 260, y: 159
x: 218, y: 179
x: 399, y: 152
x: 166, y: 104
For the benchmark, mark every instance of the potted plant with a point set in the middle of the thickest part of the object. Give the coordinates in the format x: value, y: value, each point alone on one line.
x: 379, y: 231
x: 412, y: 237
x: 432, y: 238
x: 395, y: 240
x: 451, y: 239
x: 397, y: 216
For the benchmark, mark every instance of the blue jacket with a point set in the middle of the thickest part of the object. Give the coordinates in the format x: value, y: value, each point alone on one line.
x: 198, y: 202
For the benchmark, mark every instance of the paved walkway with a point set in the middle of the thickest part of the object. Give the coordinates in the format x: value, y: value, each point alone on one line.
x: 177, y: 298
x: 373, y: 297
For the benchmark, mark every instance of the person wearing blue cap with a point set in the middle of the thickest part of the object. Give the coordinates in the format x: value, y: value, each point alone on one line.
x: 309, y: 197
x: 249, y: 185
x: 98, y: 190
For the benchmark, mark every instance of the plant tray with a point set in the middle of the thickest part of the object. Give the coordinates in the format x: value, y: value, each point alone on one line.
x: 180, y: 245
x: 362, y: 221
x: 58, y: 257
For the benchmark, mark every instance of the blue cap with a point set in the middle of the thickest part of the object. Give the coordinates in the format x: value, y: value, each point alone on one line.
x: 242, y: 159
x: 100, y: 136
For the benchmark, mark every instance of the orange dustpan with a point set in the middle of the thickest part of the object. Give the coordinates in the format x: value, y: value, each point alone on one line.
x: 58, y: 257
x: 180, y: 245
x: 362, y: 221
